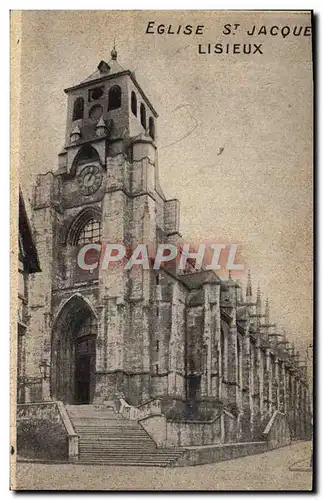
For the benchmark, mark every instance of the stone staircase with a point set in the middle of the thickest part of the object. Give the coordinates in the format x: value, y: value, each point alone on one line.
x: 106, y: 438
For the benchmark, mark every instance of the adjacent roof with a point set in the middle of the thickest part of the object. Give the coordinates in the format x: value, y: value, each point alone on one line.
x: 105, y: 69
x: 194, y: 280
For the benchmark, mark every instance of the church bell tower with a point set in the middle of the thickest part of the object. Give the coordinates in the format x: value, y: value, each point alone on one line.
x: 95, y: 328
x: 106, y: 111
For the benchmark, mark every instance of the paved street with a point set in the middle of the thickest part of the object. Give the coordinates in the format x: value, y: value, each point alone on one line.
x: 267, y: 471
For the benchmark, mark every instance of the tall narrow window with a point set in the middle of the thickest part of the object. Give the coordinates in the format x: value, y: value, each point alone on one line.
x: 78, y: 108
x: 114, y: 97
x: 239, y: 378
x: 204, y: 359
x: 157, y: 345
x: 134, y: 103
x: 254, y: 365
x: 222, y: 353
x: 151, y: 127
x: 143, y: 115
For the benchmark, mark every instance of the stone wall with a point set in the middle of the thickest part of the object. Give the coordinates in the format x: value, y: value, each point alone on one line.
x: 277, y: 432
x: 41, y: 433
x: 193, y: 433
x: 170, y: 433
x: 219, y: 453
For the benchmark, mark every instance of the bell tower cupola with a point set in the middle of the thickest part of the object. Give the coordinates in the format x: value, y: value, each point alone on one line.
x: 108, y: 110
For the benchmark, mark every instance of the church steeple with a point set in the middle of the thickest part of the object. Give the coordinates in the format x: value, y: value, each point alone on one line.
x: 258, y: 301
x: 106, y: 110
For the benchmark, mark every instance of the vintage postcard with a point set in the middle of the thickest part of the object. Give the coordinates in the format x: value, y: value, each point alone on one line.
x: 162, y: 170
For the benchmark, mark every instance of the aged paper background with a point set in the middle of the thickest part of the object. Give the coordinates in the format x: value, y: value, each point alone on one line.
x: 258, y: 108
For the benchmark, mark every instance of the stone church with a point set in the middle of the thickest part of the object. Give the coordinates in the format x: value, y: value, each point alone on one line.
x: 198, y: 345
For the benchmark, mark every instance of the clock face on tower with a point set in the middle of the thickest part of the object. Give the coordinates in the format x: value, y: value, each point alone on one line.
x: 90, y: 179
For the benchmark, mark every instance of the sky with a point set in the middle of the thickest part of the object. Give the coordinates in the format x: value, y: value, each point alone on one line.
x: 257, y: 107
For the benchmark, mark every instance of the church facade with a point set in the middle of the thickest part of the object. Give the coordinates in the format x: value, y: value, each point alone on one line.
x: 191, y: 340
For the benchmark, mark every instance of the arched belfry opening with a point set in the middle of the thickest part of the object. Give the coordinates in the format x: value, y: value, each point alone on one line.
x: 73, y: 359
x: 86, y: 154
x: 78, y: 108
x: 114, y: 98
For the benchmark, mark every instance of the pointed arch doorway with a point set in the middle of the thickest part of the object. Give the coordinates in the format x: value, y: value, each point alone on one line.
x: 74, y: 352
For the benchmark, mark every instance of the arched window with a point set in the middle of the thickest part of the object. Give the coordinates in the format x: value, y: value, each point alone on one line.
x: 151, y: 127
x: 89, y: 233
x: 78, y: 108
x: 134, y: 103
x: 143, y: 115
x: 114, y: 97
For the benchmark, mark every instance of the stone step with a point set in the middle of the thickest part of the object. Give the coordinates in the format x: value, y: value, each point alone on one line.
x: 115, y: 449
x: 121, y: 463
x: 108, y: 435
x: 91, y: 445
x: 108, y: 425
x: 107, y: 438
x: 89, y: 407
x: 98, y: 415
x: 109, y: 432
x: 131, y: 460
x: 117, y: 440
x: 90, y: 412
x: 82, y: 422
x: 128, y: 453
x: 106, y: 428
x: 98, y: 418
x: 130, y: 456
x: 123, y: 460
x: 109, y: 428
